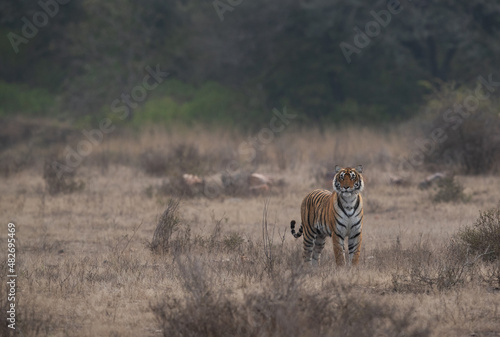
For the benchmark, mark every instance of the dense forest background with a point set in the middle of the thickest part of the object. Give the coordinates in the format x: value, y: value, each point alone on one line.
x: 233, y: 61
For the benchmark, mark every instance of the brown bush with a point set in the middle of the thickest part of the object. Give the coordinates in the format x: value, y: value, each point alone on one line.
x: 57, y: 183
x: 422, y: 270
x: 154, y: 163
x: 168, y: 223
x: 284, y: 307
x: 16, y: 160
x: 450, y: 190
x: 483, y: 238
x: 471, y: 140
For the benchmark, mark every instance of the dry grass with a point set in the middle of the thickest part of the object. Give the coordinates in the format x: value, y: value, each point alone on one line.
x: 86, y: 268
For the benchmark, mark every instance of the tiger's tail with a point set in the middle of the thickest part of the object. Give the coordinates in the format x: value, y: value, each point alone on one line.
x: 296, y: 235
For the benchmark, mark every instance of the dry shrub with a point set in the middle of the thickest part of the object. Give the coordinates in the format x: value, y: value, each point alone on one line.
x: 173, y: 235
x: 476, y: 144
x: 450, y: 190
x: 273, y: 254
x: 176, y: 237
x: 168, y: 223
x: 422, y: 270
x: 56, y: 182
x: 471, y: 139
x: 215, y: 242
x: 283, y: 307
x: 483, y: 238
x: 154, y: 163
x: 186, y: 158
x: 490, y: 274
x: 233, y: 242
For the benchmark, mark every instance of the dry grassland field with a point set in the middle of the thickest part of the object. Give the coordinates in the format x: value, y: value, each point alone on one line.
x: 224, y: 262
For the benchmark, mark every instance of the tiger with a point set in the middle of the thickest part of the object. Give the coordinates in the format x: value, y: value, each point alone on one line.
x: 338, y: 214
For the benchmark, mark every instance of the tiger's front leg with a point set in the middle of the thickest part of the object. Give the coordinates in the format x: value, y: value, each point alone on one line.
x: 354, y: 246
x: 338, y: 250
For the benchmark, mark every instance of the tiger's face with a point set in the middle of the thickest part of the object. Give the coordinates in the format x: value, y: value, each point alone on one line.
x: 348, y: 181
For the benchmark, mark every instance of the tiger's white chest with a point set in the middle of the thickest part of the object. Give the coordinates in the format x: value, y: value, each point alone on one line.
x: 347, y: 216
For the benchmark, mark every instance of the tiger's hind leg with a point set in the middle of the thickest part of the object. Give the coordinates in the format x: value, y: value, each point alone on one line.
x: 319, y: 244
x: 309, y: 244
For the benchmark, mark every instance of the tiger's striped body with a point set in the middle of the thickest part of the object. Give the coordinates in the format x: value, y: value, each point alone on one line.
x: 338, y: 215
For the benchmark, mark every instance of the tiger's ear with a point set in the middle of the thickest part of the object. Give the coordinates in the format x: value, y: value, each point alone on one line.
x: 337, y: 168
x: 359, y: 168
